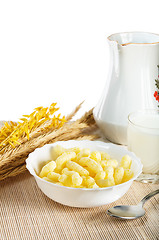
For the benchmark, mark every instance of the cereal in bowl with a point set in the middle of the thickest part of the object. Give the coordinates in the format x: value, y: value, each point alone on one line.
x: 83, y: 168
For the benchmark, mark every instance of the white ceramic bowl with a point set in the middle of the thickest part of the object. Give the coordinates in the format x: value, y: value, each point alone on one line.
x: 82, y: 197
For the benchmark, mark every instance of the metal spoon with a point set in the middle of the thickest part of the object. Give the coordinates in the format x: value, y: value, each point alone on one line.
x: 131, y: 212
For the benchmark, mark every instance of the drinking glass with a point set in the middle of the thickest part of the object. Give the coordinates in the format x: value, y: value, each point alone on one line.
x: 143, y: 140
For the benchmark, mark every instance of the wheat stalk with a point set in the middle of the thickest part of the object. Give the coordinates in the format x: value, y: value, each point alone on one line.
x: 87, y: 118
x: 43, y: 127
x: 72, y: 114
x: 63, y: 137
x: 12, y: 162
x: 13, y: 172
x: 29, y: 146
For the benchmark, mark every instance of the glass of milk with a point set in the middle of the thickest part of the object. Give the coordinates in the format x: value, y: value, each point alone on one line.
x: 143, y: 138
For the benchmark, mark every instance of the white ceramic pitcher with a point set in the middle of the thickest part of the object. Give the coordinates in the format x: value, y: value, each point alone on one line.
x: 131, y: 82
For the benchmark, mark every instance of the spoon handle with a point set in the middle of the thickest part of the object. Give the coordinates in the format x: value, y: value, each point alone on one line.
x: 147, y: 197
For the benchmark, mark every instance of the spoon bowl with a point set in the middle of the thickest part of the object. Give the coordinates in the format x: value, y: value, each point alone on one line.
x: 126, y: 211
x: 131, y: 211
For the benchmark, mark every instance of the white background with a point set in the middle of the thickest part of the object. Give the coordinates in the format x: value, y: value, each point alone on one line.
x: 56, y: 51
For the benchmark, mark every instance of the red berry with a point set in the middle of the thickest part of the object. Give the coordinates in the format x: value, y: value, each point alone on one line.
x: 157, y: 98
x: 155, y: 94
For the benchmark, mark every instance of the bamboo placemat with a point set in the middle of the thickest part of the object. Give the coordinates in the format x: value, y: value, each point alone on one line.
x: 26, y: 213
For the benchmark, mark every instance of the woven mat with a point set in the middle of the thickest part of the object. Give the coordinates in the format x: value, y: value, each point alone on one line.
x: 26, y: 213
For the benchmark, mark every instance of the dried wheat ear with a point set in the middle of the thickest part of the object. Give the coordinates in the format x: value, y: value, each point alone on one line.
x: 17, y: 140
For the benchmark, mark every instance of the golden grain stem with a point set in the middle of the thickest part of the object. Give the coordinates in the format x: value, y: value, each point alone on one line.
x: 72, y: 132
x: 12, y: 162
x: 31, y: 145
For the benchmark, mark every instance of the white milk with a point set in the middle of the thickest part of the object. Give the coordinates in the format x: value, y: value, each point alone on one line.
x: 143, y: 140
